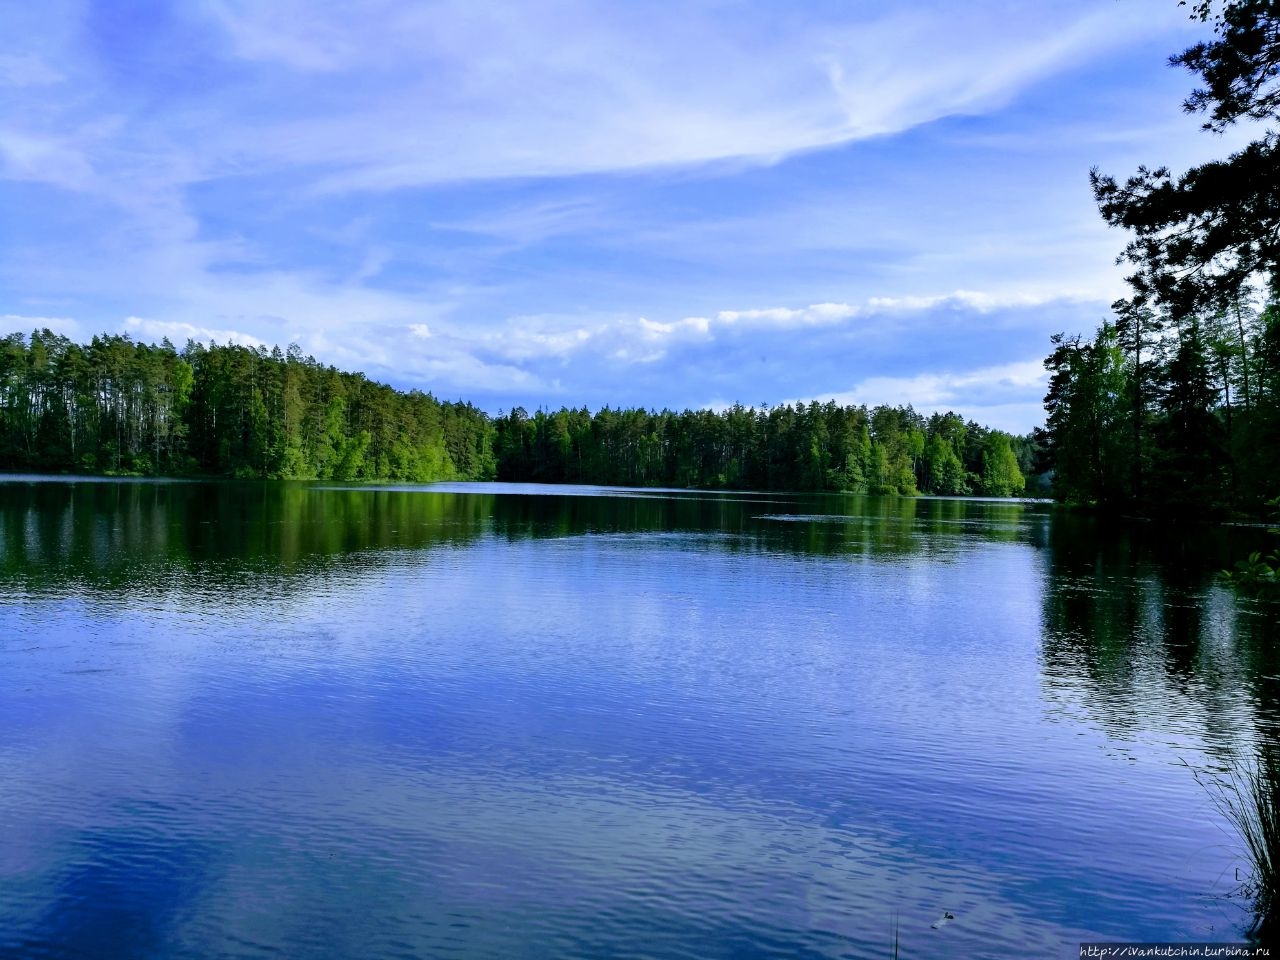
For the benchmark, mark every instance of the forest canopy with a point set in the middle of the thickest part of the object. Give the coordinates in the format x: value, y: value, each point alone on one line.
x: 123, y: 407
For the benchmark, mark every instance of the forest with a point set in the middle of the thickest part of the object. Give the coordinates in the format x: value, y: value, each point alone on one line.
x: 884, y: 450
x: 1173, y: 405
x: 117, y: 406
x: 1164, y: 412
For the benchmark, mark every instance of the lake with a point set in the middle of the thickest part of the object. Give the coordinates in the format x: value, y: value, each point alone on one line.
x: 485, y: 720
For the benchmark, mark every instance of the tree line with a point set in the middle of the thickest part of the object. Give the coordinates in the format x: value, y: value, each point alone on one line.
x: 1169, y: 412
x: 816, y: 446
x: 118, y: 406
x: 1173, y: 405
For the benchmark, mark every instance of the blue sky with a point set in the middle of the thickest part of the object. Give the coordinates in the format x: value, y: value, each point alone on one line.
x: 549, y: 203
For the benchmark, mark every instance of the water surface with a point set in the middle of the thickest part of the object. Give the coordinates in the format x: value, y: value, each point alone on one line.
x: 481, y: 720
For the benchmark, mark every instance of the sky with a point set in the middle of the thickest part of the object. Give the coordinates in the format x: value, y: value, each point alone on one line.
x: 566, y: 203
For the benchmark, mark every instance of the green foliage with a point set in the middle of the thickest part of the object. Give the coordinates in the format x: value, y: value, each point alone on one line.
x: 122, y: 407
x: 1000, y: 474
x: 1198, y: 237
x: 944, y: 473
x: 884, y: 450
x: 1175, y: 407
x: 1084, y: 426
x: 1191, y: 427
x: 1248, y: 796
x: 1258, y: 576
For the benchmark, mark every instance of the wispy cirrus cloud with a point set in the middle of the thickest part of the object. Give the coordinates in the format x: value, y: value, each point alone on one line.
x: 26, y: 70
x: 565, y: 90
x: 384, y: 95
x: 568, y: 201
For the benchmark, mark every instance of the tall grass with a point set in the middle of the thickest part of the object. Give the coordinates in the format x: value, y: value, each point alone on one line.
x: 1248, y: 795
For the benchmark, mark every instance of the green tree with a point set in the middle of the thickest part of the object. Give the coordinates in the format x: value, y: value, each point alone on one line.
x: 1085, y: 388
x: 1199, y: 237
x: 1000, y: 474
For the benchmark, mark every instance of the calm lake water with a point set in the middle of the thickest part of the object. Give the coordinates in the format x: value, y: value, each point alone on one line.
x: 479, y: 720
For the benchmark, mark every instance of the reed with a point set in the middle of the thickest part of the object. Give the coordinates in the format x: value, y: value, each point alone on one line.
x: 1248, y: 796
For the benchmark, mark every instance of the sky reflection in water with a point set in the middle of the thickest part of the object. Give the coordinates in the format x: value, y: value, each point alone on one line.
x: 263, y: 720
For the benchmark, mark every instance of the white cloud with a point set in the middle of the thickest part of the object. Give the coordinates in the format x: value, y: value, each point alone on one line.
x: 327, y: 319
x: 835, y: 314
x: 25, y: 156
x: 934, y: 389
x: 235, y: 200
x: 533, y: 222
x: 381, y: 95
x: 18, y: 323
x: 1007, y: 396
x: 520, y: 356
x: 655, y: 330
x: 459, y: 374
x: 817, y: 314
x: 979, y: 301
x: 179, y: 333
x: 290, y: 32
